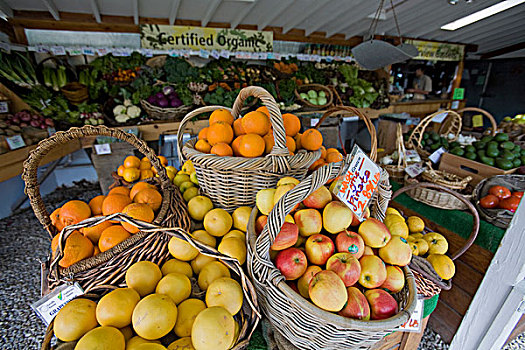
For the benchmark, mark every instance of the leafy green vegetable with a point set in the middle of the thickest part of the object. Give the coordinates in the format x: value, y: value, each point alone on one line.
x: 179, y: 71
x: 287, y: 91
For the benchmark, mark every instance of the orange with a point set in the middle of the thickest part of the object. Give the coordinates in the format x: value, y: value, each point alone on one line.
x: 144, y: 159
x: 263, y: 109
x: 96, y: 250
x: 203, y: 134
x: 221, y: 115
x: 77, y: 248
x: 290, y: 143
x: 237, y: 127
x: 163, y: 160
x: 137, y: 211
x: 131, y: 174
x: 73, y: 212
x: 251, y: 146
x: 331, y: 150
x: 115, y: 203
x: 146, y: 174
x: 256, y: 123
x: 323, y: 152
x: 203, y: 146
x: 94, y: 232
x: 334, y: 157
x: 145, y: 164
x: 55, y: 219
x: 112, y: 236
x: 149, y: 196
x: 131, y: 162
x: 120, y: 170
x: 297, y: 139
x: 119, y: 190
x: 95, y: 205
x: 268, y: 143
x: 312, y: 140
x: 292, y: 124
x: 235, y: 146
x: 138, y: 187
x: 222, y: 149
x: 220, y: 132
x: 317, y: 164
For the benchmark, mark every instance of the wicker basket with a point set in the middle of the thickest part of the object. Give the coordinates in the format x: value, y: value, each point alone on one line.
x: 75, y: 93
x: 498, y: 217
x: 317, y: 87
x: 490, y: 117
x: 160, y: 113
x: 108, y: 266
x: 157, y: 61
x: 295, y: 318
x: 249, y: 316
x: 428, y: 281
x: 231, y: 182
x: 397, y: 172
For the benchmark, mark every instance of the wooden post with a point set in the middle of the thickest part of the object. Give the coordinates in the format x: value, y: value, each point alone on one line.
x: 457, y: 76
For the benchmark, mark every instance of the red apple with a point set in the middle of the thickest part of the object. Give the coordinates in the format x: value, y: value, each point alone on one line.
x: 260, y: 223
x: 345, y: 266
x: 350, y: 242
x: 318, y: 199
x: 319, y: 248
x: 355, y: 220
x: 291, y: 262
x: 374, y: 233
x: 328, y: 291
x: 309, y: 221
x: 373, y: 271
x: 382, y: 304
x: 287, y: 237
x: 304, y: 281
x: 395, y: 279
x: 357, y: 306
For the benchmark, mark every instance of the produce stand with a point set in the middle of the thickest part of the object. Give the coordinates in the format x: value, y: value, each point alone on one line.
x: 424, y: 107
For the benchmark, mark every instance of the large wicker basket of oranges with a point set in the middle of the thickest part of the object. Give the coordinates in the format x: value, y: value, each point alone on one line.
x: 93, y: 243
x: 236, y: 156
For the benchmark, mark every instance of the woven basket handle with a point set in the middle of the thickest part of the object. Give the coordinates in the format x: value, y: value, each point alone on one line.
x: 475, y: 226
x: 363, y: 117
x: 489, y: 116
x: 417, y: 135
x: 30, y: 177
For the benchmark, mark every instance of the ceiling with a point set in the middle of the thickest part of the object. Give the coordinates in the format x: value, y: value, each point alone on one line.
x: 417, y: 18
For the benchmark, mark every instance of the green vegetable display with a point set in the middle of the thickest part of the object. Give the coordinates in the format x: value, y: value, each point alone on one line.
x: 18, y: 69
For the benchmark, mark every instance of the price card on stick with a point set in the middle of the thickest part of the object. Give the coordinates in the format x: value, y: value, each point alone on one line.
x: 414, y: 323
x: 359, y: 182
x: 48, y: 307
x: 104, y: 148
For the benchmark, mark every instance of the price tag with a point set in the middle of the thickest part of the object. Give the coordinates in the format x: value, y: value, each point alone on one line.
x: 263, y: 55
x: 215, y: 54
x: 42, y: 49
x: 74, y: 52
x: 477, y: 121
x: 412, y: 156
x: 51, y: 131
x: 440, y: 117
x: 414, y: 170
x: 436, y: 156
x: 270, y: 56
x: 104, y: 148
x: 329, y: 59
x: 58, y: 50
x: 204, y: 53
x: 459, y: 94
x: 147, y: 52
x: 174, y: 53
x: 414, y: 323
x: 454, y: 104
x: 225, y: 54
x: 359, y: 183
x: 314, y: 121
x: 277, y: 56
x: 15, y: 142
x: 239, y: 55
x: 5, y: 46
x: 89, y: 51
x: 48, y: 307
x: 4, y: 107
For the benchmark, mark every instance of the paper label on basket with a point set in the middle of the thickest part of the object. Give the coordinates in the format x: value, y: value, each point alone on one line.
x: 440, y: 117
x: 477, y: 121
x: 15, y: 142
x: 414, y: 170
x: 412, y: 156
x: 436, y: 156
x: 359, y: 183
x: 414, y: 323
x: 48, y: 307
x: 104, y: 148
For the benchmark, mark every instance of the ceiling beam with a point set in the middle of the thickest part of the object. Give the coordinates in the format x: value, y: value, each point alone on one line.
x: 504, y: 50
x: 52, y: 8
x: 242, y: 14
x: 173, y: 11
x: 6, y: 9
x: 274, y: 13
x: 210, y: 11
x: 307, y: 13
x: 135, y: 5
x: 94, y: 9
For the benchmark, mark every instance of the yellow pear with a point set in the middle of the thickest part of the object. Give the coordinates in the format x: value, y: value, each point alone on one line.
x: 443, y: 265
x: 240, y: 218
x: 204, y: 237
x: 199, y: 262
x: 415, y: 224
x: 233, y: 247
x: 422, y: 246
x: 199, y: 206
x: 181, y: 249
x: 437, y: 244
x: 187, y: 312
x: 174, y: 265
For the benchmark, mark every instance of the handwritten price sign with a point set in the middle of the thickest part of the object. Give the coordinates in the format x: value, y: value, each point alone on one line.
x: 414, y: 323
x: 359, y: 183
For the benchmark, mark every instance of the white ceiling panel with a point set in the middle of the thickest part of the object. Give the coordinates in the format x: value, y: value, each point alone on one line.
x: 29, y: 5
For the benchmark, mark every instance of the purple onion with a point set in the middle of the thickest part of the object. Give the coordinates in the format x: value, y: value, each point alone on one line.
x: 49, y: 122
x: 35, y: 123
x: 35, y: 117
x: 163, y: 102
x: 25, y: 117
x: 15, y: 120
x: 168, y: 90
x: 152, y: 99
x: 159, y: 95
x: 43, y: 126
x: 176, y: 102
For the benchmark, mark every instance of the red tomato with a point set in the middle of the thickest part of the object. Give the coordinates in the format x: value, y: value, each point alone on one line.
x: 510, y: 203
x: 500, y: 192
x: 489, y: 201
x: 517, y: 194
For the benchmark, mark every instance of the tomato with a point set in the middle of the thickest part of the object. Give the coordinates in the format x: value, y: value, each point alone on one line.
x: 517, y: 194
x: 489, y: 201
x: 500, y: 192
x: 510, y: 203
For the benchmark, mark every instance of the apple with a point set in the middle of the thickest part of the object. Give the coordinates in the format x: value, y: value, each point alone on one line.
x: 291, y: 262
x: 319, y: 248
x: 309, y: 222
x: 396, y: 252
x: 346, y: 266
x: 350, y: 242
x: 382, y: 304
x: 357, y: 306
x: 373, y: 271
x: 264, y: 200
x: 260, y: 223
x: 355, y: 219
x: 374, y: 233
x: 328, y: 291
x: 336, y: 217
x: 280, y: 191
x: 395, y: 279
x: 318, y: 199
x: 287, y: 180
x: 304, y: 281
x: 287, y: 237
x: 368, y: 251
x: 300, y: 241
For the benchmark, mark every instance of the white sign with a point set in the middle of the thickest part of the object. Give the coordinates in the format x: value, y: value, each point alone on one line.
x: 358, y: 185
x: 4, y: 107
x: 15, y: 141
x: 440, y: 117
x: 414, y: 323
x: 314, y: 121
x: 414, y: 170
x: 436, y: 156
x: 48, y: 307
x: 88, y: 51
x: 58, y: 50
x: 104, y: 148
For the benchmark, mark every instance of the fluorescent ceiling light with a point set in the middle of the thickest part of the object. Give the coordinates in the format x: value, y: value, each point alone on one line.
x: 477, y: 16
